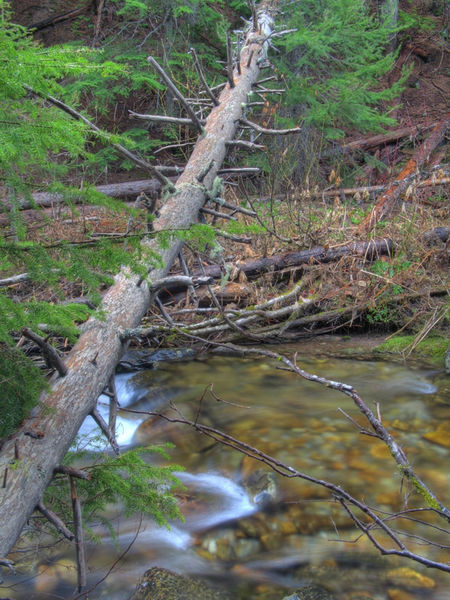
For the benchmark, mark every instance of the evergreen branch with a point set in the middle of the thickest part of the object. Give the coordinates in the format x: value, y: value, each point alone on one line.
x: 121, y: 149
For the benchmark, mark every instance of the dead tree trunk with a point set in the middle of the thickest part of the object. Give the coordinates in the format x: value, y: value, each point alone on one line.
x: 28, y: 459
x: 403, y: 180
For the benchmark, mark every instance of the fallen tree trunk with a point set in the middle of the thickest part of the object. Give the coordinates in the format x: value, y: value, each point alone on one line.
x: 403, y: 179
x: 254, y: 268
x: 29, y: 457
x: 385, y: 138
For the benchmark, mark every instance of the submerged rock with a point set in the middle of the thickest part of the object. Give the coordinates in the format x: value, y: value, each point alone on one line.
x: 261, y: 486
x: 161, y: 584
x: 136, y: 360
x: 310, y: 592
x: 405, y: 577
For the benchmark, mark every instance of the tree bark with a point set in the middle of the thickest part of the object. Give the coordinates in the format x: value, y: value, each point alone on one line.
x: 44, y: 439
x: 403, y: 179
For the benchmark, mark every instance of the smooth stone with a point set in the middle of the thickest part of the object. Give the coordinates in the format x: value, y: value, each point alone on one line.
x: 161, y: 584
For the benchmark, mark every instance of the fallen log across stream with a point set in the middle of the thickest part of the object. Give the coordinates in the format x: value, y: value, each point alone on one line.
x: 29, y: 457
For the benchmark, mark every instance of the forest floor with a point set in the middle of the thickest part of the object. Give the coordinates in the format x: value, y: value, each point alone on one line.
x: 405, y: 290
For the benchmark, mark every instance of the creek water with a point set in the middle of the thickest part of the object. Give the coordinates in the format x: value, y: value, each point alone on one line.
x: 257, y: 534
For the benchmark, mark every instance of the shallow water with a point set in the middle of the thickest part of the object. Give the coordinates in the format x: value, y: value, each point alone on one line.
x: 298, y: 537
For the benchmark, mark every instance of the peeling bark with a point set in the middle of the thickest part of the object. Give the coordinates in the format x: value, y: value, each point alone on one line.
x: 44, y: 439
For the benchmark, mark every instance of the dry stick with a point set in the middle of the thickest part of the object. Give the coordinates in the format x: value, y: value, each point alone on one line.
x: 202, y: 78
x: 49, y: 352
x: 372, y: 188
x: 176, y: 92
x: 155, y: 172
x: 266, y: 131
x: 216, y: 213
x: 110, y: 435
x: 78, y: 527
x: 65, y: 470
x: 234, y: 208
x: 240, y: 171
x: 229, y: 61
x: 113, y: 405
x: 55, y: 521
x: 238, y: 53
x: 185, y: 270
x: 163, y: 119
x: 163, y: 311
x: 246, y: 145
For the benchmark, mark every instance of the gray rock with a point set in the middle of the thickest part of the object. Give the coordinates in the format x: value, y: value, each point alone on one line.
x: 137, y: 360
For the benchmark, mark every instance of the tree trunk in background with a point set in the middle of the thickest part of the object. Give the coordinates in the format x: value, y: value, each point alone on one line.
x: 28, y: 459
x: 389, y: 10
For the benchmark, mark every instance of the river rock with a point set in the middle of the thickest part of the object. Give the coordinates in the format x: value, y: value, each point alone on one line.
x: 405, y: 577
x: 261, y: 486
x: 310, y: 592
x: 137, y: 360
x: 161, y: 584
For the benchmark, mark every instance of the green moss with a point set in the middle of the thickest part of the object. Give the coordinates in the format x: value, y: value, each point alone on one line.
x: 433, y: 347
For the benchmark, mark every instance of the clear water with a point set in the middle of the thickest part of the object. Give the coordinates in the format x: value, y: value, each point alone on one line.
x: 263, y: 554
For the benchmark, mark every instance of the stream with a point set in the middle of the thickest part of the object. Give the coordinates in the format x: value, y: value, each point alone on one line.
x: 254, y: 533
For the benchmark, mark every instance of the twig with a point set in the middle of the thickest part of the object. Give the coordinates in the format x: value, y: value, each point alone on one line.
x: 65, y: 470
x: 246, y: 145
x: 229, y: 61
x: 176, y: 92
x: 78, y: 527
x: 55, y: 521
x: 163, y: 119
x: 199, y: 70
x: 215, y: 213
x: 113, y: 405
x: 49, y: 352
x: 266, y: 131
x: 185, y: 270
x: 110, y: 436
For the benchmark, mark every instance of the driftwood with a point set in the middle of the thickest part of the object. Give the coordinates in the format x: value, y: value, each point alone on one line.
x: 44, y: 439
x: 403, y: 179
